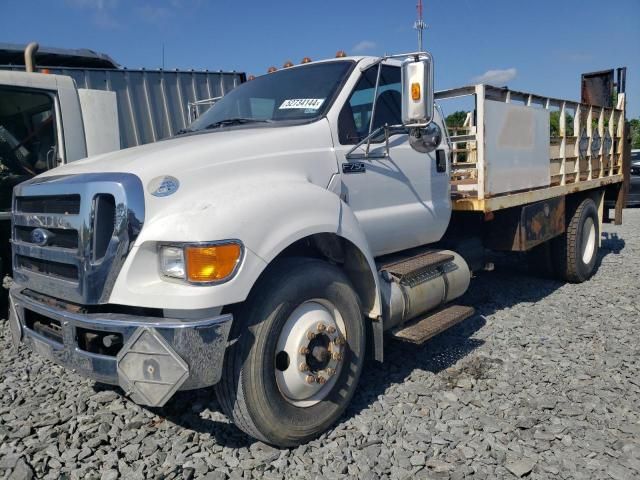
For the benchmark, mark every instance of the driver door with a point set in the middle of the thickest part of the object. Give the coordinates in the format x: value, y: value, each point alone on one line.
x: 401, y: 200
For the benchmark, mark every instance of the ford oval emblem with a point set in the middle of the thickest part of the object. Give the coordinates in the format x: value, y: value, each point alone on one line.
x: 163, y: 186
x: 40, y: 236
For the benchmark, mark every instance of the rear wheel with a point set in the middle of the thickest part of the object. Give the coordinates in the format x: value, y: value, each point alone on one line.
x: 575, y: 252
x: 297, y: 347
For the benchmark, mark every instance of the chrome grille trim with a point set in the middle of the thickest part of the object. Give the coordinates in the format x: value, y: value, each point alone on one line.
x: 65, y: 204
x: 55, y: 254
x: 96, y: 276
x: 47, y: 220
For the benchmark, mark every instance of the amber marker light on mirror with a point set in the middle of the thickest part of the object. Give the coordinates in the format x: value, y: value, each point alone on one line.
x: 212, y: 263
x: 415, y: 91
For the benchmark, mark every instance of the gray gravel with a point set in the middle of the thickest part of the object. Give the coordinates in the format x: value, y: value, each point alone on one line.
x: 542, y: 383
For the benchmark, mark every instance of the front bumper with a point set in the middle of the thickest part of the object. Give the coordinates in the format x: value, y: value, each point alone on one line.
x: 158, y: 356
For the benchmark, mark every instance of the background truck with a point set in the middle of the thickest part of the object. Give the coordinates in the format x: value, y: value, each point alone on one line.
x: 79, y: 103
x: 303, y: 217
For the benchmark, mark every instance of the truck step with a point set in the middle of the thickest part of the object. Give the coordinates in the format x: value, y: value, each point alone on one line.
x: 406, y: 271
x: 428, y: 326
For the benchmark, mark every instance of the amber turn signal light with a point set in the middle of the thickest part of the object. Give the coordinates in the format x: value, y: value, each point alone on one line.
x: 213, y: 263
x: 415, y: 91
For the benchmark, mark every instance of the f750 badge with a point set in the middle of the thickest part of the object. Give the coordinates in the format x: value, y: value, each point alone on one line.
x: 354, y: 167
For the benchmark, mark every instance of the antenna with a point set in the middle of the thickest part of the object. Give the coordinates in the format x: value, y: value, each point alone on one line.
x: 419, y: 25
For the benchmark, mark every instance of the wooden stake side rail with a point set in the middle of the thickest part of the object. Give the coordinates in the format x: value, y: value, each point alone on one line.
x: 586, y: 152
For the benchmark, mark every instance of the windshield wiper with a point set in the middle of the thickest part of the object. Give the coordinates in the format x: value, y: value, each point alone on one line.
x: 236, y: 121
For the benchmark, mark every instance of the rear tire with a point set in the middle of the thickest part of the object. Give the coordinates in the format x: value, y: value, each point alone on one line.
x: 258, y: 389
x: 575, y: 252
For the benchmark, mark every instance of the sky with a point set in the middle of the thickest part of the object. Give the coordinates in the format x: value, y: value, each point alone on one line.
x: 538, y: 46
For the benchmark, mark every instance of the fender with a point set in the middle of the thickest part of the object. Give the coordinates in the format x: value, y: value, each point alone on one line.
x: 267, y: 214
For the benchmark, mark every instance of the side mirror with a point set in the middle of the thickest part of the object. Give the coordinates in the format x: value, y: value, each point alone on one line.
x: 425, y: 140
x: 417, y: 90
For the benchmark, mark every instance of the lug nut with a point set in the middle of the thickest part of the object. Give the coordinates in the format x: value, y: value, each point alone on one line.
x: 336, y: 356
x: 304, y: 351
x: 331, y: 329
x: 304, y: 367
x: 331, y: 372
x: 311, y: 335
x: 321, y: 327
x: 339, y: 341
x: 310, y: 379
x: 321, y: 380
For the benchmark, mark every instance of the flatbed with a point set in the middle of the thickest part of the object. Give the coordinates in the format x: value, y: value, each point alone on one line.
x: 505, y: 156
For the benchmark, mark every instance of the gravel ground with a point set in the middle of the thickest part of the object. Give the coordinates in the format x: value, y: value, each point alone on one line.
x: 541, y: 383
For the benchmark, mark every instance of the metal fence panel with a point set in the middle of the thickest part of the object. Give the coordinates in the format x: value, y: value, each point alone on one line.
x: 153, y: 104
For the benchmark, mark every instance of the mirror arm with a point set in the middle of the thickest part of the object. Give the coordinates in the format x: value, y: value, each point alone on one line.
x: 388, y: 131
x: 444, y: 123
x: 373, y: 109
x: 367, y: 140
x: 386, y: 138
x: 415, y: 55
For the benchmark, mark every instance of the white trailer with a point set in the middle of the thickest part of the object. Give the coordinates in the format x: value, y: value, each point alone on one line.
x: 305, y: 216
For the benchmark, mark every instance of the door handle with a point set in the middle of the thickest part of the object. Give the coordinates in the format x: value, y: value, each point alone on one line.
x: 441, y: 161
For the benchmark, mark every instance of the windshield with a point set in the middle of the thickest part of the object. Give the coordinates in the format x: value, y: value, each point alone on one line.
x: 296, y: 94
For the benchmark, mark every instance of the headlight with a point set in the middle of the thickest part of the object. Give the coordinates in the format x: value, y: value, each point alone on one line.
x: 201, y: 263
x: 172, y: 262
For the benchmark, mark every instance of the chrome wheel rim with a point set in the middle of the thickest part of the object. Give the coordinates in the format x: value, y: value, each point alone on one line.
x: 588, y: 240
x: 310, y: 353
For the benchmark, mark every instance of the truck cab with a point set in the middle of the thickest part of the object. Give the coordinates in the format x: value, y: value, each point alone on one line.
x: 263, y: 250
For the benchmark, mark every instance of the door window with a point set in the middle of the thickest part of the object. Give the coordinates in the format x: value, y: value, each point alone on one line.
x: 353, y: 124
x: 27, y: 138
x: 27, y: 132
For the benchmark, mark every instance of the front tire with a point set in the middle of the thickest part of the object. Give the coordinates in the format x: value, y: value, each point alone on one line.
x: 575, y: 252
x: 296, y: 352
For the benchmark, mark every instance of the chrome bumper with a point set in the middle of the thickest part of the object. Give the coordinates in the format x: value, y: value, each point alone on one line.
x: 158, y: 357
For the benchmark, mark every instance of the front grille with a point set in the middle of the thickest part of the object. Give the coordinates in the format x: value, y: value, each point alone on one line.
x: 47, y: 267
x: 86, y: 224
x: 104, y: 222
x: 60, y: 238
x: 62, y: 204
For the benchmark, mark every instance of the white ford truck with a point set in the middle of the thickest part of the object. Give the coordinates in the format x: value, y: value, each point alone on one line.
x: 306, y: 215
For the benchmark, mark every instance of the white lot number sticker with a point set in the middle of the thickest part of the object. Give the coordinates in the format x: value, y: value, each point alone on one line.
x: 306, y: 103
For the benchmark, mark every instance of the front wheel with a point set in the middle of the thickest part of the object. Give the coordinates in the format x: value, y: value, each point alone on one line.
x: 295, y: 355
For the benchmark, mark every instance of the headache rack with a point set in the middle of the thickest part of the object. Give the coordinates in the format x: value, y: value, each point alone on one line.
x: 507, y: 154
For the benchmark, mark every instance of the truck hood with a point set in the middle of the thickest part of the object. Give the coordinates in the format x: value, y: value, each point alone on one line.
x: 191, y: 156
x: 220, y: 167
